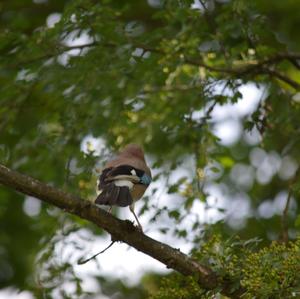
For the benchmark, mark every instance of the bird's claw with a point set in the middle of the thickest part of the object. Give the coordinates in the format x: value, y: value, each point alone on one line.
x: 139, y: 227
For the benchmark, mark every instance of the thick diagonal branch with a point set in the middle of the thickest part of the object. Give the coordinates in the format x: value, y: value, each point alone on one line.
x: 120, y: 230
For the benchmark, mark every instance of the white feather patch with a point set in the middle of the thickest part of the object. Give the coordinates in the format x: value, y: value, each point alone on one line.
x: 97, y: 188
x: 133, y: 172
x: 122, y: 183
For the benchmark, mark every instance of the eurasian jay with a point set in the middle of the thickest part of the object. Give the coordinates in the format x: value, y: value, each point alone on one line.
x: 124, y: 179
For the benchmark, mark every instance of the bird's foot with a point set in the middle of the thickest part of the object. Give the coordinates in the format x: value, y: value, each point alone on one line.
x: 139, y: 227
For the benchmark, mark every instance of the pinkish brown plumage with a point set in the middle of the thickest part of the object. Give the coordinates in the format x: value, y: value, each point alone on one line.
x: 132, y: 155
x: 124, y: 179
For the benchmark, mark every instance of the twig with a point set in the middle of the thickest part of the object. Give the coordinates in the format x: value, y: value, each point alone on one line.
x: 295, y: 62
x: 203, y: 4
x: 81, y: 262
x: 68, y: 172
x: 284, y: 220
x: 283, y: 78
x: 172, y: 88
x: 59, y: 51
x: 284, y: 217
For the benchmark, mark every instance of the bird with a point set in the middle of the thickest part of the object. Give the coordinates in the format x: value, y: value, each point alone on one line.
x: 124, y: 179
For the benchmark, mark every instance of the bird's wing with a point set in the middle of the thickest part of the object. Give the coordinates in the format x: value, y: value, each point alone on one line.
x: 121, y: 172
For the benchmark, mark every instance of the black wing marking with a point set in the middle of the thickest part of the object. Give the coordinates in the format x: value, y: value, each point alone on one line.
x: 115, y: 171
x: 125, y: 198
x: 125, y: 170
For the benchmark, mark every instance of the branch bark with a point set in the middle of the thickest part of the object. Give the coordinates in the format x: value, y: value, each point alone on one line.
x: 120, y: 230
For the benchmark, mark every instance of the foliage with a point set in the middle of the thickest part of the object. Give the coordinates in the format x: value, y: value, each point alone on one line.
x: 80, y: 79
x: 271, y: 272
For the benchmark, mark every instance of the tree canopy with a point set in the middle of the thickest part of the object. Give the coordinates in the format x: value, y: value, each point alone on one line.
x: 209, y: 88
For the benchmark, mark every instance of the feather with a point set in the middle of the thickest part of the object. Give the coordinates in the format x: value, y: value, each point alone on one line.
x: 122, y: 177
x: 124, y: 198
x: 109, y: 195
x: 114, y: 195
x: 124, y: 183
x: 125, y: 178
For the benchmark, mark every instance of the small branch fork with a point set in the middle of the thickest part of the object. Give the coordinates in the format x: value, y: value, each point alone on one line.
x: 119, y: 230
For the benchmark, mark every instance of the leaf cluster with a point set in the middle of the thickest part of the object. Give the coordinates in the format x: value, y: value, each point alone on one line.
x: 269, y: 272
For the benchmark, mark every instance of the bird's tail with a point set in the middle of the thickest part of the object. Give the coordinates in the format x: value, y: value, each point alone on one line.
x: 114, y: 195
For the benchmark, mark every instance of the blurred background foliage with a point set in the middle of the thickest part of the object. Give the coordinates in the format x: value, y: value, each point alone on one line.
x: 80, y: 79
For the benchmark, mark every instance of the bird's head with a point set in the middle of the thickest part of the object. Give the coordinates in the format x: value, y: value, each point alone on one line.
x: 135, y: 150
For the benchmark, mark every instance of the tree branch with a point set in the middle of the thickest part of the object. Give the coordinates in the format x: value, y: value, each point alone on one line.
x: 258, y: 67
x: 120, y: 230
x: 283, y: 78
